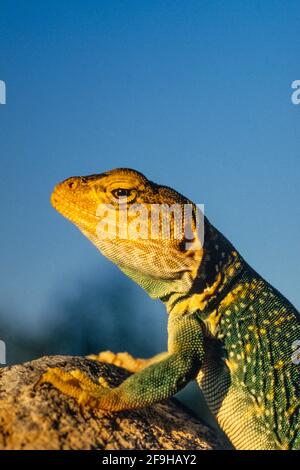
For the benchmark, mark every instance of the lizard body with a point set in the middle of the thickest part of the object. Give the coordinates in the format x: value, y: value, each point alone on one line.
x: 228, y: 328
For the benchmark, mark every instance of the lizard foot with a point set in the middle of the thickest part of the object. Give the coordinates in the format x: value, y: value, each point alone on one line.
x: 122, y: 359
x: 75, y: 384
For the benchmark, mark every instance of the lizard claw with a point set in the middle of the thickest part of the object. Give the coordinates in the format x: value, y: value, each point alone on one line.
x: 121, y: 359
x: 75, y: 384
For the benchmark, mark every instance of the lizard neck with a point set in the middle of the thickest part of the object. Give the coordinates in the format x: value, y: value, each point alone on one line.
x: 220, y: 270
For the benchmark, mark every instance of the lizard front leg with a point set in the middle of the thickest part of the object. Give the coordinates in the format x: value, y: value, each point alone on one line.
x: 152, y: 384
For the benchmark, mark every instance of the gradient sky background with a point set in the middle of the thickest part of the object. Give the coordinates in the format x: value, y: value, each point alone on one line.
x: 196, y: 95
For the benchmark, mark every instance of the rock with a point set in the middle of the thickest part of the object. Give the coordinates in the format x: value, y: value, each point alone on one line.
x: 46, y: 419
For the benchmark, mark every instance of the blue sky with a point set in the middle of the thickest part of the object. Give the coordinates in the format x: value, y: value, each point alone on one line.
x: 196, y: 95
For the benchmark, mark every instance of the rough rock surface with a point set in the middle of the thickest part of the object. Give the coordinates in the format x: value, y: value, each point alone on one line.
x: 46, y: 419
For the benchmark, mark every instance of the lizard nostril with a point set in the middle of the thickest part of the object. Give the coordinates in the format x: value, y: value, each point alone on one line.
x: 72, y: 184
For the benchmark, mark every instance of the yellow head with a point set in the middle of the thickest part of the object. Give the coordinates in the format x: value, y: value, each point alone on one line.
x: 148, y: 230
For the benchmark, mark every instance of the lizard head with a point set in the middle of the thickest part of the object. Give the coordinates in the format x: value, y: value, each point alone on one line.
x: 148, y: 230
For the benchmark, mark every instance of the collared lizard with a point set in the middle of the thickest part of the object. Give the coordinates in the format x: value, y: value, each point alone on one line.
x: 228, y: 328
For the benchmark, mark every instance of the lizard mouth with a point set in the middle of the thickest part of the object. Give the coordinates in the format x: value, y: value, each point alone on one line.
x: 80, y: 216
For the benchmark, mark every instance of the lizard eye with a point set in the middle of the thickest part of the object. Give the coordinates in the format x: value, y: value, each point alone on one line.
x: 123, y: 194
